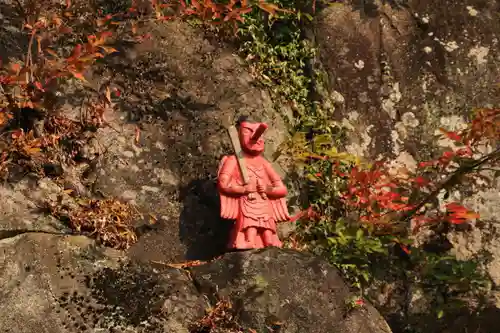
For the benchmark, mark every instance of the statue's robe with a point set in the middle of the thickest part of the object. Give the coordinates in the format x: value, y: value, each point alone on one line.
x: 261, y: 213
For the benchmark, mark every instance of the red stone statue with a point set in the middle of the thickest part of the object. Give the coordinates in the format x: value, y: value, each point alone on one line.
x: 251, y: 191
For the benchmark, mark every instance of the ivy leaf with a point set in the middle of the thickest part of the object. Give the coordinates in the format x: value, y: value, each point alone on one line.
x: 312, y: 177
x: 359, y: 234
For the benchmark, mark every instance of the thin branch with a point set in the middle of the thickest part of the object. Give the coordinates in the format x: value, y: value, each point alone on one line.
x: 20, y: 9
x: 452, y: 180
x: 489, y: 169
x: 29, y: 55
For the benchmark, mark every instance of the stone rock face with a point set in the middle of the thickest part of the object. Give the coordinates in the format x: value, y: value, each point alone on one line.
x: 57, y: 284
x: 403, y: 70
x: 66, y: 284
x: 397, y: 73
x: 19, y: 208
x: 293, y: 291
x: 176, y: 91
x: 400, y: 70
x: 163, y: 144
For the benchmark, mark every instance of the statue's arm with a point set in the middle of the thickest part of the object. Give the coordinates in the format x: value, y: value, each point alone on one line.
x: 276, y: 189
x: 226, y: 181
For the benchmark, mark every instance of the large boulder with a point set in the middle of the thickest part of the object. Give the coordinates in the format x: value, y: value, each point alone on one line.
x: 53, y: 283
x: 61, y: 284
x: 287, y: 290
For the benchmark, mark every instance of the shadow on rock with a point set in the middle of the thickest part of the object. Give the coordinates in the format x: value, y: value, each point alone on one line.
x: 201, y: 229
x: 485, y: 321
x: 13, y: 42
x: 186, y: 106
x: 372, y: 8
x: 144, y: 297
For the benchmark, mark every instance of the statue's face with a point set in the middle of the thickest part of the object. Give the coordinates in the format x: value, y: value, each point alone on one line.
x: 248, y: 143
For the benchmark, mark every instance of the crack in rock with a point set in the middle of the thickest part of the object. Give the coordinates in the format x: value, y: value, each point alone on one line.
x: 5, y: 234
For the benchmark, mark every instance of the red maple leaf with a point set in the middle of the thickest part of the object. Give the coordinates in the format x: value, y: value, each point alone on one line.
x: 451, y: 135
x: 458, y: 214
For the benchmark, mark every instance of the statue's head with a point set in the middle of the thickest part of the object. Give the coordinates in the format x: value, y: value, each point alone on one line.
x: 251, y: 136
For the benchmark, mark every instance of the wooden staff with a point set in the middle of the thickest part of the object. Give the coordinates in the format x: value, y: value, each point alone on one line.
x: 235, y: 141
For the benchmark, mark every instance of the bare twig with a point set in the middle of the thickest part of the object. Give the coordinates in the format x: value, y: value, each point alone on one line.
x: 452, y: 181
x: 29, y: 56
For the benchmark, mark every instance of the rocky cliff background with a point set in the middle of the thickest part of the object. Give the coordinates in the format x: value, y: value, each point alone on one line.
x: 392, y: 74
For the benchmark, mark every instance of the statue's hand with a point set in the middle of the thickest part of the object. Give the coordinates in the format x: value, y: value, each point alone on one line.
x: 262, y: 189
x: 250, y: 188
